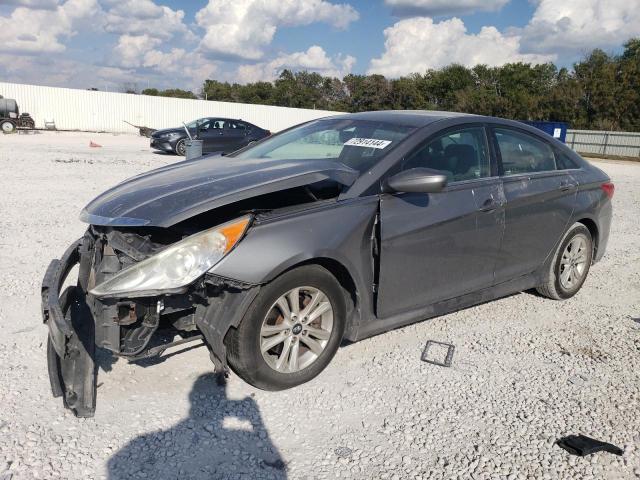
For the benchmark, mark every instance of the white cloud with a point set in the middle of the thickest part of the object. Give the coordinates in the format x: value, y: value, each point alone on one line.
x: 315, y: 59
x: 578, y: 26
x: 141, y: 52
x: 62, y: 72
x: 131, y: 49
x: 417, y: 44
x: 35, y: 31
x: 430, y: 8
x: 144, y: 17
x: 244, y: 28
x: 46, y: 4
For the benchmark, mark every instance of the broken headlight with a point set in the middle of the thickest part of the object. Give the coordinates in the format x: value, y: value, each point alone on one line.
x: 177, y: 265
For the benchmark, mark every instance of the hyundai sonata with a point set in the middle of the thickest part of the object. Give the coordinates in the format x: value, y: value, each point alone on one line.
x: 337, y: 229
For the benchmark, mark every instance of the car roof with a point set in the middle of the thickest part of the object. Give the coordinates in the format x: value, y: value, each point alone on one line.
x: 412, y: 118
x: 226, y: 118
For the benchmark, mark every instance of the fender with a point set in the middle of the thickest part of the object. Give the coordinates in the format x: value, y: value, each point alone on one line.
x: 278, y: 243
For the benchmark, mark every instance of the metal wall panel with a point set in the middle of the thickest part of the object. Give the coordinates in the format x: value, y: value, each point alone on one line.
x: 624, y: 144
x: 86, y: 110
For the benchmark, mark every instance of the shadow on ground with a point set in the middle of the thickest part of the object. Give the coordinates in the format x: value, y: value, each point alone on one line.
x: 220, y: 439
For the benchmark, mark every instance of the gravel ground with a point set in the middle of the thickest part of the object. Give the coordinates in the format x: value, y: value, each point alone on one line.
x: 526, y: 371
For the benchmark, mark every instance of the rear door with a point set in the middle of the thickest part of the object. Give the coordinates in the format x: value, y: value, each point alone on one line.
x: 236, y: 133
x: 540, y: 198
x: 441, y: 245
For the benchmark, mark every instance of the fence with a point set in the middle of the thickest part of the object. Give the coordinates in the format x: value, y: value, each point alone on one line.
x: 623, y: 144
x: 95, y: 111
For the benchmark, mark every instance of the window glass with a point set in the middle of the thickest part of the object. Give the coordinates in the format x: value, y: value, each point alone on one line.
x: 522, y: 153
x: 460, y: 154
x: 564, y: 161
x: 234, y: 125
x: 356, y: 143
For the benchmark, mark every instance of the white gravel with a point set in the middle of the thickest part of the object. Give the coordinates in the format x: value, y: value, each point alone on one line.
x: 526, y: 371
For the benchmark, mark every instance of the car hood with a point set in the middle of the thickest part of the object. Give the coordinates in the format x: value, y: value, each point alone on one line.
x: 180, y: 130
x: 174, y: 193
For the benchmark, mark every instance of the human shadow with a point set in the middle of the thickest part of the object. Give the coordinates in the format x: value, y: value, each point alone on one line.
x: 220, y: 439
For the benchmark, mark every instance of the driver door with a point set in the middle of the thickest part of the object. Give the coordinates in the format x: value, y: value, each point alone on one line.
x: 437, y: 246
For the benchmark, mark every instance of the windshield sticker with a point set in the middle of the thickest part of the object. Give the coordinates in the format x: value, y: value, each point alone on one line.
x: 367, y: 143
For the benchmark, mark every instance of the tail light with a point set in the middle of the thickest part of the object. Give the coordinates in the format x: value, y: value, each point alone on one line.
x: 608, y: 188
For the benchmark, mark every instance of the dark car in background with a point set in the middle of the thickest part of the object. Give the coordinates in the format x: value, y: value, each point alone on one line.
x: 217, y: 135
x: 340, y: 228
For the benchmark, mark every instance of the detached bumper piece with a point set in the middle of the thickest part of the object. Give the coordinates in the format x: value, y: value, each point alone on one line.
x: 71, y: 342
x: 581, y: 445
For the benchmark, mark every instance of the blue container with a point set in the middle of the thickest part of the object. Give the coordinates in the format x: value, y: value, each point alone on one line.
x: 557, y: 130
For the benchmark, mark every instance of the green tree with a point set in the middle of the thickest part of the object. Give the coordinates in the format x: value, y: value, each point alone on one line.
x: 602, y: 91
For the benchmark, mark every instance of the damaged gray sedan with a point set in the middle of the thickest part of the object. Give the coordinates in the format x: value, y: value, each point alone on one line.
x: 334, y: 230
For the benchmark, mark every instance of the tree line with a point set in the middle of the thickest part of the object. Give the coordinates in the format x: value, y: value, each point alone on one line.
x: 601, y: 92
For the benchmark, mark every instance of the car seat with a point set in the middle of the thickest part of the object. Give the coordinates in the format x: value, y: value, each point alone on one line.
x: 460, y: 159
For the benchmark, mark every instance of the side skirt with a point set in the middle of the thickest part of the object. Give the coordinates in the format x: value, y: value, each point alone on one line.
x: 377, y: 326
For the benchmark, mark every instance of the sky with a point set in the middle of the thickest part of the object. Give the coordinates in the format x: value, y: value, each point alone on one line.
x: 118, y: 44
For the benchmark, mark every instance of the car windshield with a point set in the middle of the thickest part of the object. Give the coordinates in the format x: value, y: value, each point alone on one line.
x: 358, y: 144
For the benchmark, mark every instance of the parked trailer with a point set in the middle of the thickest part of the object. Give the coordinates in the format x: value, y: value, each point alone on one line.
x: 10, y: 117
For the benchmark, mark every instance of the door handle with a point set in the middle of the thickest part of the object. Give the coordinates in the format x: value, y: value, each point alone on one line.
x: 567, y: 185
x: 489, y: 205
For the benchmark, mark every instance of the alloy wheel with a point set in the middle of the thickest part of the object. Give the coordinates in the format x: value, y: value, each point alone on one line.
x: 573, y: 264
x: 181, y: 148
x: 296, y: 329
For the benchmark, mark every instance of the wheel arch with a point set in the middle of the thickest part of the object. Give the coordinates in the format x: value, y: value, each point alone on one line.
x: 592, y: 226
x: 344, y: 277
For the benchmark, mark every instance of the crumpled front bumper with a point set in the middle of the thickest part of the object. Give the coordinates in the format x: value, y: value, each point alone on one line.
x: 71, y: 342
x: 78, y: 323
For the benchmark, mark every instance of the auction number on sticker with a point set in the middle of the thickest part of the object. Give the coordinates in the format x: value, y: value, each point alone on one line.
x: 367, y: 143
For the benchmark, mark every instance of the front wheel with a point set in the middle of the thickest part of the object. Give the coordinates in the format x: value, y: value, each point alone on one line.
x: 570, y: 266
x: 7, y: 127
x: 291, y: 331
x: 181, y: 147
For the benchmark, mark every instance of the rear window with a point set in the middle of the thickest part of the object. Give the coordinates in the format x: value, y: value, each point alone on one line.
x: 564, y: 161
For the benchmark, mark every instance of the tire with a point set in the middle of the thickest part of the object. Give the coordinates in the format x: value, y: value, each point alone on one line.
x: 244, y: 352
x: 569, y: 259
x: 181, y: 147
x: 7, y: 126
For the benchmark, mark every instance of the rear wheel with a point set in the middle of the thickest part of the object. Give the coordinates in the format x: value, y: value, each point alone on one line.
x: 7, y: 126
x: 291, y: 331
x: 181, y: 147
x: 570, y: 266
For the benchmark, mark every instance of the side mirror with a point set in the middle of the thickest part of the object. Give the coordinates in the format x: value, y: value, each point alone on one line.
x: 420, y: 180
